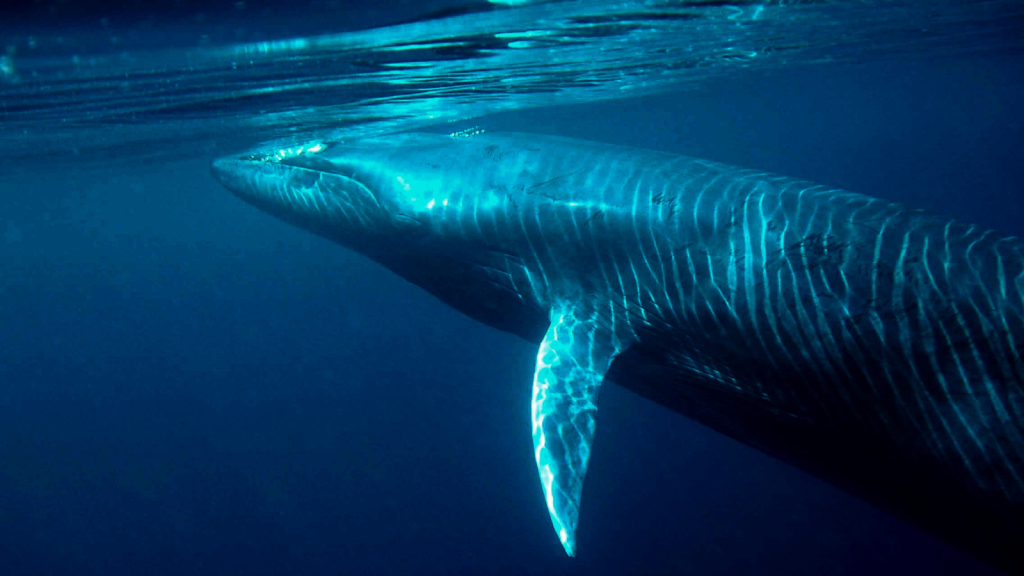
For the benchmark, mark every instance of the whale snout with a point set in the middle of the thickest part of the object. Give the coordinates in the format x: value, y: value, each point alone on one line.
x: 221, y: 168
x: 266, y: 183
x: 232, y: 173
x: 317, y: 194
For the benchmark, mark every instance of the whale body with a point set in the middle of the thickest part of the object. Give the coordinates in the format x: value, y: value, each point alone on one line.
x: 876, y: 347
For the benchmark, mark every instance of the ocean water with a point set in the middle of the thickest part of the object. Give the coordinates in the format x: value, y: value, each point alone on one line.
x: 190, y: 386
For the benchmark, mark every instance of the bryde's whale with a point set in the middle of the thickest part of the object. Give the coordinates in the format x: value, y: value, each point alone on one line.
x: 876, y: 347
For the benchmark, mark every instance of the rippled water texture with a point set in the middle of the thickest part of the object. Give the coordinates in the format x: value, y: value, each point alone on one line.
x: 59, y: 99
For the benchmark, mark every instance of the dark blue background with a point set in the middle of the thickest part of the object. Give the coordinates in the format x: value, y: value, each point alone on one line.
x: 189, y: 386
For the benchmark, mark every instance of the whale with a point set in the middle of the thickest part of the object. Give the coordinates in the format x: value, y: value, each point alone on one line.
x: 877, y: 347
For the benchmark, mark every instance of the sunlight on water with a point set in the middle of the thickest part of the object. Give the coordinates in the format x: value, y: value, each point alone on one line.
x: 197, y: 101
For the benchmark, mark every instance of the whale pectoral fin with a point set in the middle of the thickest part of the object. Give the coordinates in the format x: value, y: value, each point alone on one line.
x: 571, y: 364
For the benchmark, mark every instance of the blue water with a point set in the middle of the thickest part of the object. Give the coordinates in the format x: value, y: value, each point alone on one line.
x: 190, y: 386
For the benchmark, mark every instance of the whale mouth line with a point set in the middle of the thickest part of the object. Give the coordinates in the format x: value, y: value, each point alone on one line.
x: 322, y: 166
x: 226, y: 169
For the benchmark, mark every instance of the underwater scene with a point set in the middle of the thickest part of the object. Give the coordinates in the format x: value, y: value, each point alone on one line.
x: 352, y: 287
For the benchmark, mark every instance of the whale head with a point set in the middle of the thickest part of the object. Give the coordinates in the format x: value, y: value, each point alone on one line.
x: 353, y: 194
x: 443, y: 212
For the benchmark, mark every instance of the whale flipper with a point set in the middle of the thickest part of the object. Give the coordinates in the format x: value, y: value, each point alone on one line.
x: 571, y: 363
